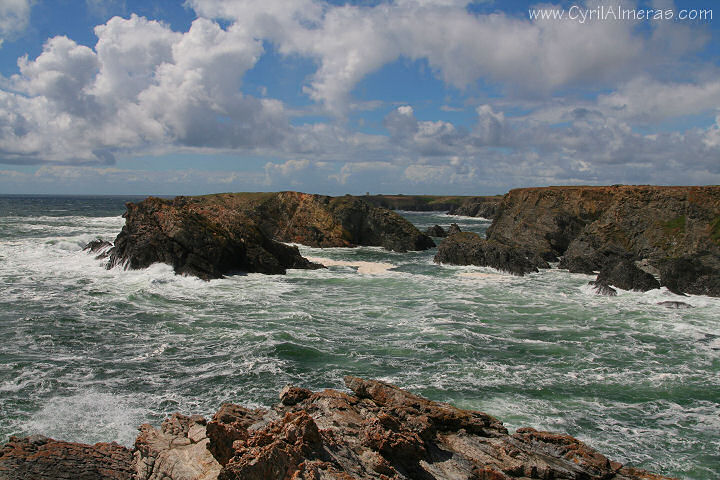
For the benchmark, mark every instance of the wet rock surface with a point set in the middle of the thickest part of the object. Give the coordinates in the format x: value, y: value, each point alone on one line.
x: 377, y: 432
x: 626, y: 275
x: 468, y: 248
x: 436, y: 231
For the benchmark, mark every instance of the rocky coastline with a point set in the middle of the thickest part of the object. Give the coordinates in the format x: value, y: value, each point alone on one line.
x: 215, y: 235
x: 376, y: 432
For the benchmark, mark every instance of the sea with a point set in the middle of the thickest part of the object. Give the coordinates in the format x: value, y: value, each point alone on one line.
x: 89, y: 354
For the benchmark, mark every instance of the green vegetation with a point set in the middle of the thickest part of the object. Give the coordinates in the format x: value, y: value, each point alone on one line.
x: 675, y: 226
x: 715, y: 230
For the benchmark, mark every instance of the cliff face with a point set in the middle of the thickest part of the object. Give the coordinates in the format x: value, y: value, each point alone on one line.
x: 590, y: 226
x: 379, y: 432
x: 485, y: 207
x: 198, y: 242
x: 213, y: 235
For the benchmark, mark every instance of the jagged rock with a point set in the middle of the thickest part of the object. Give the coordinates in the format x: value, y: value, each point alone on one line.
x: 453, y: 229
x: 674, y: 304
x: 696, y: 275
x: 603, y: 289
x: 467, y: 248
x: 196, y: 242
x: 100, y: 247
x: 579, y: 265
x: 436, y: 231
x: 40, y: 458
x: 626, y: 275
x: 382, y: 432
x: 177, y: 451
x: 379, y: 432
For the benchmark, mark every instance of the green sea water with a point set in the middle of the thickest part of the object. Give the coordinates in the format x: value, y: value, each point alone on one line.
x: 88, y: 354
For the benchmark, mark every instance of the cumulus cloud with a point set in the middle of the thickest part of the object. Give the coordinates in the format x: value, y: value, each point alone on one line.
x: 14, y: 17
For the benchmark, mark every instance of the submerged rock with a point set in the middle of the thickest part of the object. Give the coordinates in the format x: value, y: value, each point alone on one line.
x: 674, y: 304
x: 467, y: 248
x: 100, y: 247
x: 379, y: 432
x: 603, y: 289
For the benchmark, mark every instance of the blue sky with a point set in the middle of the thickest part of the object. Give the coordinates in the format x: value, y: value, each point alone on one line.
x: 405, y: 96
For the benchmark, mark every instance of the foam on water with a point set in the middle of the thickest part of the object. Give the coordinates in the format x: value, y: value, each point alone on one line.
x: 111, y: 349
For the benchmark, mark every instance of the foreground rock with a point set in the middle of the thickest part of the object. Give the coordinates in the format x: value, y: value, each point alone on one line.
x: 39, y: 458
x: 591, y: 227
x: 215, y: 235
x: 468, y: 248
x: 197, y: 242
x: 379, y: 432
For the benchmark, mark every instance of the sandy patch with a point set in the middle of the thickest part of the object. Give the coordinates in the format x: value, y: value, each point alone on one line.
x: 366, y: 268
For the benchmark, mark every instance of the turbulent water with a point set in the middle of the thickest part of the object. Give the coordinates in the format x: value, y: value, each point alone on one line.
x: 88, y: 354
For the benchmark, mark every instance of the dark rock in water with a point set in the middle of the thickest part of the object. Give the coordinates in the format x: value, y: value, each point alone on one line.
x: 603, y: 289
x: 467, y: 248
x: 379, y: 432
x: 436, y: 231
x: 626, y: 275
x: 453, y: 229
x: 41, y: 458
x: 674, y: 304
x: 697, y: 275
x: 99, y: 246
x: 197, y: 243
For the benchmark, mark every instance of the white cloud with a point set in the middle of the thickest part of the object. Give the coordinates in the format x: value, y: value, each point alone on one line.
x: 14, y: 17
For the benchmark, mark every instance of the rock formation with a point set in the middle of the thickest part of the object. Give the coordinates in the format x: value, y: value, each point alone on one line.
x: 214, y: 235
x: 468, y: 248
x: 626, y: 275
x: 677, y: 228
x: 453, y: 229
x: 41, y: 458
x: 436, y: 231
x: 485, y: 207
x: 379, y: 432
x: 198, y: 242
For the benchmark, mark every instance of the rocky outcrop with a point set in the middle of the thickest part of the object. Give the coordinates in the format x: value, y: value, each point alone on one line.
x: 198, y: 242
x: 591, y: 227
x: 379, y: 432
x: 698, y: 275
x: 99, y: 247
x: 41, y: 458
x: 214, y: 235
x: 177, y: 451
x: 626, y: 275
x: 485, y: 207
x: 468, y: 248
x: 453, y: 229
x: 436, y: 231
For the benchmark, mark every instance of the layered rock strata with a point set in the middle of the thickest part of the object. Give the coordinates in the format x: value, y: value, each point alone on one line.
x: 379, y: 432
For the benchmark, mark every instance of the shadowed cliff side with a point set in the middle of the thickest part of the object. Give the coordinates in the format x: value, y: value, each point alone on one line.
x: 379, y: 432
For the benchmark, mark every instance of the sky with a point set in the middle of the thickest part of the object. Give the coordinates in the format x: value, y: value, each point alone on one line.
x: 382, y: 96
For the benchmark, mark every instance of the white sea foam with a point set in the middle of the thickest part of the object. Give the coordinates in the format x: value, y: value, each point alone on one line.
x: 365, y: 268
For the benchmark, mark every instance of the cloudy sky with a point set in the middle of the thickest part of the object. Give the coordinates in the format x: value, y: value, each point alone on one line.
x: 403, y: 96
